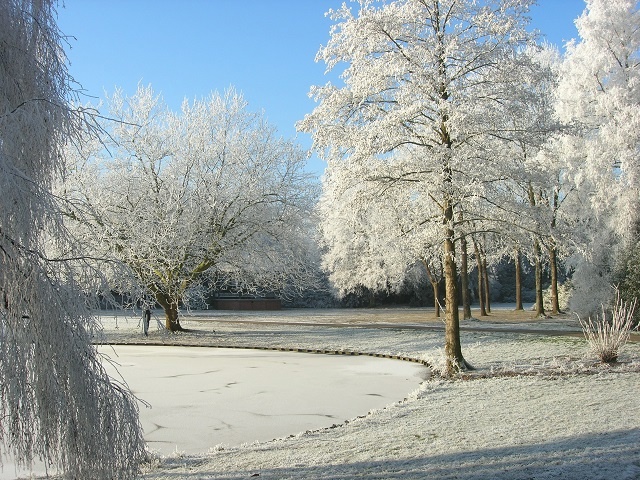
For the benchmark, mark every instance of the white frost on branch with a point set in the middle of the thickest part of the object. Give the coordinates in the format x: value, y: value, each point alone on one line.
x: 599, y: 96
x: 57, y: 403
x: 425, y: 94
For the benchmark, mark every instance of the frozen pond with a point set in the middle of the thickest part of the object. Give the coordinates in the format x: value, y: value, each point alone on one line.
x: 202, y: 397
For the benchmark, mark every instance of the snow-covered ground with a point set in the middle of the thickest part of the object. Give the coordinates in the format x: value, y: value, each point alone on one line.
x: 536, y: 407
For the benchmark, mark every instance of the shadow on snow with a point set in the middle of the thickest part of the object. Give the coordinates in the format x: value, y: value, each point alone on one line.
x: 595, y: 456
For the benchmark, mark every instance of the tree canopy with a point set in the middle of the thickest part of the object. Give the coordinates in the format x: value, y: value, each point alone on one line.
x: 599, y: 96
x: 206, y: 197
x: 451, y: 123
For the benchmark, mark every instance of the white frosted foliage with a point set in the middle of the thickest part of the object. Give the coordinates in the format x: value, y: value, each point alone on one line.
x: 411, y: 132
x: 57, y: 403
x: 599, y: 97
x: 599, y: 92
x: 208, y: 194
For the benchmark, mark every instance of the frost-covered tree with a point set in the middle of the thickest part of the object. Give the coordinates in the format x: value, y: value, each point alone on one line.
x: 532, y: 201
x: 425, y: 84
x: 209, y: 196
x: 557, y: 206
x: 355, y: 255
x: 599, y: 92
x: 368, y: 239
x: 57, y: 403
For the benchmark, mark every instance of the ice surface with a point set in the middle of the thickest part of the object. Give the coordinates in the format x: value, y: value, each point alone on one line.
x: 202, y: 397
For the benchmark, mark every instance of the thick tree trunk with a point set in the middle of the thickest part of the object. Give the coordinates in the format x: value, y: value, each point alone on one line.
x: 464, y: 279
x: 483, y: 311
x: 452, y: 345
x: 518, y: 262
x: 553, y: 266
x: 170, y: 307
x: 539, y: 296
x: 172, y: 322
x: 453, y: 348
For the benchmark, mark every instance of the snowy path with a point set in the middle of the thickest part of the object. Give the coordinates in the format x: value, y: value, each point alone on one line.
x: 541, y: 417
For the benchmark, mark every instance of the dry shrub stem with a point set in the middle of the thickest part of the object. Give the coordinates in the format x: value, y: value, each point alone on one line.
x: 606, y: 336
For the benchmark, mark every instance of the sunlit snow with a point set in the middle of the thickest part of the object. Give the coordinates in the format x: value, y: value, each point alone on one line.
x: 540, y: 415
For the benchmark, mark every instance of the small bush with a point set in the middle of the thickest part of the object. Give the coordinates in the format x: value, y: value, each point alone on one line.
x: 606, y: 336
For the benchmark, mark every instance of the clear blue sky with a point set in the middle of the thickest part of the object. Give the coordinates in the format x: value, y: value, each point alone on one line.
x: 189, y: 48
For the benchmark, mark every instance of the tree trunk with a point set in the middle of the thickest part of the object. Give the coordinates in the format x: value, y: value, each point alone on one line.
x: 483, y: 311
x: 172, y: 322
x: 485, y: 283
x: 553, y: 260
x: 435, y: 285
x: 452, y: 347
x: 553, y: 266
x: 539, y: 297
x: 372, y: 298
x: 464, y: 279
x: 170, y: 307
x: 538, y: 261
x: 518, y: 262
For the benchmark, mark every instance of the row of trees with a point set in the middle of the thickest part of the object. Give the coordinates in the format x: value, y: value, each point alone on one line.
x: 453, y: 133
x: 453, y: 129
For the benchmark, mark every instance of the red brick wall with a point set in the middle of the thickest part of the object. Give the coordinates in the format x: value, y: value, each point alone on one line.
x: 247, y: 304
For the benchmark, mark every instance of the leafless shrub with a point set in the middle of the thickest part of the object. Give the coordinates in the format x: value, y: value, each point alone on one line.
x: 607, y: 335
